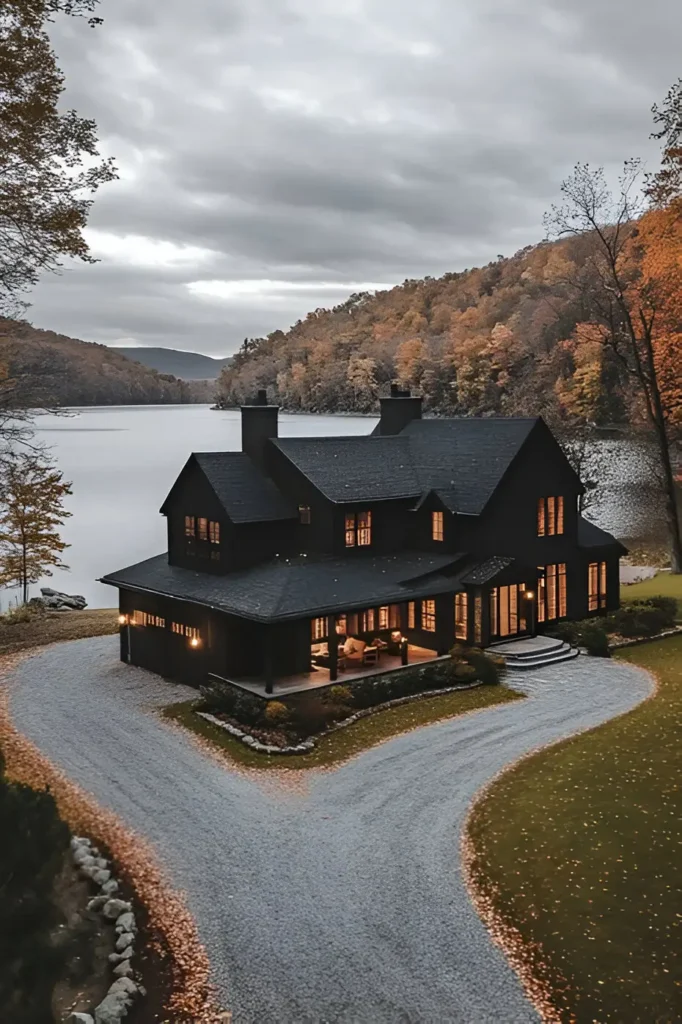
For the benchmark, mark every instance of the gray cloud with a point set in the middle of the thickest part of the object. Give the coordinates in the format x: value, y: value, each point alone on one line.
x: 321, y: 145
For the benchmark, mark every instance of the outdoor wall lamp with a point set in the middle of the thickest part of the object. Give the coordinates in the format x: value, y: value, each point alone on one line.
x: 123, y: 620
x: 530, y: 594
x: 194, y: 642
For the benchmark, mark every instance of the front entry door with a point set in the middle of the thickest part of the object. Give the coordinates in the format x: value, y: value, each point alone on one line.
x: 510, y: 611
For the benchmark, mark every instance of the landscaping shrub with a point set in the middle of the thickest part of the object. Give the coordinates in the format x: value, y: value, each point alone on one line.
x: 594, y: 638
x: 249, y: 710
x: 490, y: 669
x: 639, y: 619
x: 32, y: 851
x: 310, y: 714
x: 219, y: 697
x: 668, y: 605
x: 276, y: 713
x: 464, y: 673
x: 569, y: 632
x: 338, y: 695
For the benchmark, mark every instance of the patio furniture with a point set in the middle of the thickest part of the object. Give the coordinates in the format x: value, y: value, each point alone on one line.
x: 370, y: 656
x: 354, y: 650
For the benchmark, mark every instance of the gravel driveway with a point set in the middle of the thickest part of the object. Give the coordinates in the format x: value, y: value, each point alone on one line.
x: 343, y: 902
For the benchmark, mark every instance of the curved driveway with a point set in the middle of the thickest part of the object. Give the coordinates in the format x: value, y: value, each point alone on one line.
x: 339, y: 903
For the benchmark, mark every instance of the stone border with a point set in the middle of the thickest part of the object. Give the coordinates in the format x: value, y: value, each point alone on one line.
x: 124, y: 989
x: 645, y: 639
x: 308, y: 745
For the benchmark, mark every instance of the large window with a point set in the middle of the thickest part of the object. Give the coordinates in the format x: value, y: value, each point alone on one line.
x: 461, y: 605
x: 552, y: 593
x: 318, y: 628
x: 190, y: 526
x: 437, y: 526
x: 596, y: 586
x: 367, y: 621
x: 358, y: 529
x: 202, y: 525
x: 550, y: 516
x: 508, y: 610
x: 214, y: 532
x: 429, y: 616
x: 411, y: 615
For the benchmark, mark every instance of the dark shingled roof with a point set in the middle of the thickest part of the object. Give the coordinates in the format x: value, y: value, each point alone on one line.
x: 462, y: 460
x: 486, y: 571
x: 246, y: 494
x: 591, y: 536
x: 282, y: 589
x: 364, y: 468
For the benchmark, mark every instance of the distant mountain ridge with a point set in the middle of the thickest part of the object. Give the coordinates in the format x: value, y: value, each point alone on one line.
x: 42, y: 369
x: 185, y: 365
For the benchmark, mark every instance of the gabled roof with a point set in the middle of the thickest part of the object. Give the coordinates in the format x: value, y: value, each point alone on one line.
x: 246, y: 494
x: 289, y: 589
x: 485, y: 571
x: 462, y: 460
x: 363, y: 468
x: 591, y: 536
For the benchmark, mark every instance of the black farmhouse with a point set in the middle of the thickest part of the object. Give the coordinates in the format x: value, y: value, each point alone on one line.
x: 392, y: 545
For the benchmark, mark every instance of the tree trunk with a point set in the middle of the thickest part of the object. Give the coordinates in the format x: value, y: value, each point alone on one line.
x: 24, y: 573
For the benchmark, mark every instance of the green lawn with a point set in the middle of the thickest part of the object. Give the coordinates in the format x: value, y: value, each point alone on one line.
x: 580, y: 849
x: 345, y: 743
x: 667, y: 584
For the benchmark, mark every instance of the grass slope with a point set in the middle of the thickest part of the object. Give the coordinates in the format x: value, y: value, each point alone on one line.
x: 579, y: 848
x: 346, y: 743
x: 664, y: 583
x: 54, y: 626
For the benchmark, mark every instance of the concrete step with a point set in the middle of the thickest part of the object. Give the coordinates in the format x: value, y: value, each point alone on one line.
x: 533, y: 652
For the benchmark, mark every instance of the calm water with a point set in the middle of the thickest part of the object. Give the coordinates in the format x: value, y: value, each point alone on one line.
x: 123, y: 461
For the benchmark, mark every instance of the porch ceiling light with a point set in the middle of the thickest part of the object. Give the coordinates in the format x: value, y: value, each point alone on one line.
x: 530, y: 593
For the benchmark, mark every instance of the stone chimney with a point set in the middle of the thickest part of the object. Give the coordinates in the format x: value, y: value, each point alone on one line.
x: 399, y: 409
x: 259, y: 424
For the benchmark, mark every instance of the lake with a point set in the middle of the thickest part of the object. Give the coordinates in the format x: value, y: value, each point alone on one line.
x: 123, y: 460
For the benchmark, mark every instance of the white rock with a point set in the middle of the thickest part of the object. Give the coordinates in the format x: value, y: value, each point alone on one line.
x: 124, y: 969
x: 101, y: 862
x: 116, y: 958
x: 97, y: 902
x: 85, y: 860
x: 113, y: 1008
x: 110, y: 887
x: 113, y: 909
x: 101, y: 876
x: 126, y: 922
x: 79, y: 1018
x: 124, y: 940
x: 125, y: 985
x: 80, y: 841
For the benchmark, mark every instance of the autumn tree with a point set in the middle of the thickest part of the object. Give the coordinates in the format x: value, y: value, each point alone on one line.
x: 625, y: 305
x: 31, y: 512
x: 49, y: 160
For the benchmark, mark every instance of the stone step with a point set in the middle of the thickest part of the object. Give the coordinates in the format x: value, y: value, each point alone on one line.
x: 542, y: 660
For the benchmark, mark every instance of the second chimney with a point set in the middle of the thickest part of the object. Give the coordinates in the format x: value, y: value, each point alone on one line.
x: 398, y: 410
x: 259, y: 424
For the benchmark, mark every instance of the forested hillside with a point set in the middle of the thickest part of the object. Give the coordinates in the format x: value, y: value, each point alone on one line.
x: 511, y: 338
x: 40, y: 368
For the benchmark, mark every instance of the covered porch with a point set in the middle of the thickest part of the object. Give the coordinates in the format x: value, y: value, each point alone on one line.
x: 319, y: 677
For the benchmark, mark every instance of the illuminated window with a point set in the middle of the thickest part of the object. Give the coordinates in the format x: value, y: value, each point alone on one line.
x: 383, y: 617
x: 367, y: 621
x: 411, y: 617
x: 437, y: 525
x: 203, y: 529
x: 304, y: 514
x: 394, y: 616
x: 341, y: 625
x: 190, y: 526
x: 596, y: 586
x: 318, y: 628
x: 145, y: 619
x: 353, y: 623
x: 461, y: 608
x: 358, y: 529
x: 429, y: 616
x: 550, y: 516
x: 189, y: 631
x: 214, y: 532
x: 552, y: 593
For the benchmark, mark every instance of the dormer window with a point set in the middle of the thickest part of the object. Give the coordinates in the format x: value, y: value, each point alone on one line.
x: 437, y: 526
x: 304, y: 516
x: 190, y: 526
x: 358, y: 529
x: 550, y: 516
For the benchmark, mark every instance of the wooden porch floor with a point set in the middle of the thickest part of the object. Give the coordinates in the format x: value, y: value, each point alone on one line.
x: 319, y: 677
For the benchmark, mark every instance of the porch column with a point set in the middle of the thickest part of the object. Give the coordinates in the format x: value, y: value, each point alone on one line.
x: 445, y: 623
x: 333, y: 647
x: 268, y: 659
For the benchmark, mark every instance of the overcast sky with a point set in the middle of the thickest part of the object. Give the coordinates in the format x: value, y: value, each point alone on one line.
x: 276, y: 155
